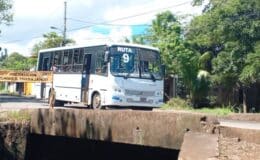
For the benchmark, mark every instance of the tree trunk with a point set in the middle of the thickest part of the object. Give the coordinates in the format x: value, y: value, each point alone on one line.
x: 244, y: 100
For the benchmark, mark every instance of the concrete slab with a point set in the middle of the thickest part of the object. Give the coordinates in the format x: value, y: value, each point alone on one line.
x: 243, y: 130
x: 155, y: 129
x: 199, y: 146
x: 240, y: 124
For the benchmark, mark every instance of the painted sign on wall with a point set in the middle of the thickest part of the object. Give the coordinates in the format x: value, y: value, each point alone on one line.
x: 25, y: 76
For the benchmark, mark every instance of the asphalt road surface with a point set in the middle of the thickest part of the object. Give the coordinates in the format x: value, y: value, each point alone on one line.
x: 19, y: 102
x: 240, y: 124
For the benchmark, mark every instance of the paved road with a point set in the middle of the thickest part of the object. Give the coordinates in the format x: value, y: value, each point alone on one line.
x: 17, y: 102
x: 240, y: 124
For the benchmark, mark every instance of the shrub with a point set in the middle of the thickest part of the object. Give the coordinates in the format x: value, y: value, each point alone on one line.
x: 177, y: 103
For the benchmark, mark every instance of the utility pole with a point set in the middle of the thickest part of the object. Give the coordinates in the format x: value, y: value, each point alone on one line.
x: 65, y: 24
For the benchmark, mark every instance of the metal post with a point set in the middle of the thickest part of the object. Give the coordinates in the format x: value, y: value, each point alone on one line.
x: 65, y: 24
x: 52, y: 95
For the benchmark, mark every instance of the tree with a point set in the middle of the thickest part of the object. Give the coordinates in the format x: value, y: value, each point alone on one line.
x: 229, y: 31
x: 166, y: 33
x: 51, y: 40
x: 16, y: 61
x: 251, y: 71
x: 5, y: 12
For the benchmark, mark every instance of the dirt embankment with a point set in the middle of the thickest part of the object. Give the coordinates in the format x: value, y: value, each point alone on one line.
x: 13, y: 140
x: 14, y: 128
x: 235, y: 149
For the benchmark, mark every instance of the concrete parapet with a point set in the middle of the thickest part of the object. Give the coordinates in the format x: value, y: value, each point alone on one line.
x: 160, y: 129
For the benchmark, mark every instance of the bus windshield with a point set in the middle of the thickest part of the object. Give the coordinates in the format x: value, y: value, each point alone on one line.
x: 135, y: 63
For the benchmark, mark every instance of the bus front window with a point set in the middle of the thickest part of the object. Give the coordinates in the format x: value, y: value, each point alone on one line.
x: 150, y: 65
x: 135, y: 63
x: 124, y: 63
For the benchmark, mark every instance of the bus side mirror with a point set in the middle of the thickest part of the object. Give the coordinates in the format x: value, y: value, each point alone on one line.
x: 106, y: 58
x: 163, y: 70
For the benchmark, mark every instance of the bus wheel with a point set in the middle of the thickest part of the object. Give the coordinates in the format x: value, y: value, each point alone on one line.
x: 96, y: 101
x: 59, y: 103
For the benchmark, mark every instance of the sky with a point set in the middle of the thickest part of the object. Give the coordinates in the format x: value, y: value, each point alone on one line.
x: 88, y: 21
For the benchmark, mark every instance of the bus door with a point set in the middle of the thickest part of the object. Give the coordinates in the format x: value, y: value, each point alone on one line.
x: 85, y: 78
x: 45, y: 67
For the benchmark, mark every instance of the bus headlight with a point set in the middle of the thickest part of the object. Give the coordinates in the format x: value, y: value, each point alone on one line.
x: 116, y: 89
x: 159, y: 93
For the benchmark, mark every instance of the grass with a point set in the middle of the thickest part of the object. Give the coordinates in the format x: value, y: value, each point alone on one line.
x: 177, y: 104
x: 14, y: 116
x: 180, y: 104
x: 221, y: 111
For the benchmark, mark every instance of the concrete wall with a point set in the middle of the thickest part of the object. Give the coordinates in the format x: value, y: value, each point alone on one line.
x: 13, y: 140
x: 156, y: 129
x: 161, y: 129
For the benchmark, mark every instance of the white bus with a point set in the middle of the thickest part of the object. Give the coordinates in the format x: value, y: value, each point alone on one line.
x: 124, y: 75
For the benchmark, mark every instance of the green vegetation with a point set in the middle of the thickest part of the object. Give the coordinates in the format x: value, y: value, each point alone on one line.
x: 218, y: 49
x: 221, y: 111
x: 51, y: 40
x: 180, y: 104
x: 16, y: 61
x: 14, y: 116
x: 177, y: 104
x: 6, y: 17
x: 166, y: 33
x: 229, y: 31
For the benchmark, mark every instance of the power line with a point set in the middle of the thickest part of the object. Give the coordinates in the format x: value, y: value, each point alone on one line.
x: 132, y: 16
x: 108, y: 22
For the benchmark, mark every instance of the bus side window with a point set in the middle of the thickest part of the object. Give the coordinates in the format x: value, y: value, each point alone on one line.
x: 66, y: 65
x: 45, y: 61
x: 76, y: 57
x: 78, y: 60
x: 87, y: 63
x: 100, y: 65
x: 58, y: 60
x: 45, y: 64
x: 81, y: 56
x: 70, y: 60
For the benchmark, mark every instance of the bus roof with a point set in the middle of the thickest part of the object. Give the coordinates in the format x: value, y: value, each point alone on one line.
x: 99, y: 44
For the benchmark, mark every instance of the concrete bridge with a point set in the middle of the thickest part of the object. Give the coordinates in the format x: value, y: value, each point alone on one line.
x: 149, y: 133
x: 156, y: 129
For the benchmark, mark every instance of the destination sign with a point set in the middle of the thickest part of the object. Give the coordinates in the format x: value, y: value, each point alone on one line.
x: 124, y: 50
x: 25, y: 76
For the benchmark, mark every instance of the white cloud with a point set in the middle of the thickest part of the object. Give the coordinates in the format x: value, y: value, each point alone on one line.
x: 120, y: 33
x: 34, y: 17
x: 30, y: 8
x: 14, y: 47
x: 87, y: 36
x: 45, y: 8
x: 144, y: 13
x: 24, y: 49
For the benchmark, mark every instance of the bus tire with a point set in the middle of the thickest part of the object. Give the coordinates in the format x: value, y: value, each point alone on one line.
x: 59, y: 103
x: 96, y: 101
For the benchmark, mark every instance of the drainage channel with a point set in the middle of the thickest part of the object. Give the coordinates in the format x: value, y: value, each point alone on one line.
x: 43, y: 147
